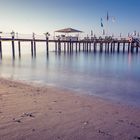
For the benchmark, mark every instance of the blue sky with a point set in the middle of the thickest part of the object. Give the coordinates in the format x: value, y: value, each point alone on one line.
x: 39, y: 16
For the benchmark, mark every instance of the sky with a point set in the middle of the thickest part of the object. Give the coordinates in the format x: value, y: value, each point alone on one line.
x: 39, y: 16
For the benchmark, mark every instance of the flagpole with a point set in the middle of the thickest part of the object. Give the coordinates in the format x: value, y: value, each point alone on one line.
x: 107, y: 18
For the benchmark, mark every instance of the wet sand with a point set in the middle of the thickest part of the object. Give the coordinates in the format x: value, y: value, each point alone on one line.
x: 30, y: 112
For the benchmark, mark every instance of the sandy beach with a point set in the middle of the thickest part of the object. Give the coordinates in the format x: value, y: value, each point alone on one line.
x: 30, y: 112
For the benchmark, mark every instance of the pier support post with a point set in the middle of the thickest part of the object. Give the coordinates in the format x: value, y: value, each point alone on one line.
x: 87, y: 46
x: 55, y: 46
x: 83, y: 46
x: 79, y: 46
x: 132, y: 47
x: 111, y: 49
x: 32, y: 50
x: 0, y: 49
x: 105, y: 47
x: 90, y: 46
x: 123, y: 47
x: 101, y: 47
x: 137, y: 49
x: 128, y: 47
x: 114, y: 46
x: 64, y: 46
x: 76, y: 46
x: 19, y: 50
x: 13, y: 47
x: 118, y: 48
x: 47, y: 45
x: 94, y: 46
x: 59, y: 46
x: 108, y: 47
x: 70, y: 45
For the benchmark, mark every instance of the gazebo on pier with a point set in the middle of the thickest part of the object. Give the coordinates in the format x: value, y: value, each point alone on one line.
x: 66, y: 35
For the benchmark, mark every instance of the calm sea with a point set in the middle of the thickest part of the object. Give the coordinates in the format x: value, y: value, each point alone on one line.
x: 111, y: 76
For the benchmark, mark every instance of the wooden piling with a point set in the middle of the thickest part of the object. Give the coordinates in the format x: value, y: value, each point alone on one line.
x: 76, y: 46
x: 70, y: 45
x: 0, y: 49
x: 118, y: 48
x: 128, y: 47
x: 111, y: 49
x: 87, y: 46
x: 32, y: 50
x: 79, y: 46
x: 55, y: 46
x: 13, y: 47
x: 90, y: 46
x: 19, y: 50
x: 83, y: 46
x: 64, y: 46
x: 137, y: 49
x: 59, y: 46
x: 132, y: 47
x: 123, y: 47
x: 105, y: 47
x: 101, y: 47
x: 47, y: 45
x: 114, y: 44
x: 94, y: 46
x: 108, y: 46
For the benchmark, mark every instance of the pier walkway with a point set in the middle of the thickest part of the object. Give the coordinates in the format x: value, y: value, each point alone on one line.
x: 101, y: 45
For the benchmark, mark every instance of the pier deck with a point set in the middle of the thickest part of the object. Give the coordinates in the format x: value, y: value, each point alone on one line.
x: 111, y: 45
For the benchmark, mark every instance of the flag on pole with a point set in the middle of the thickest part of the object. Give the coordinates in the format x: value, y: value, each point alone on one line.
x: 107, y: 17
x: 102, y: 23
x: 91, y: 32
x: 103, y: 32
x: 135, y: 33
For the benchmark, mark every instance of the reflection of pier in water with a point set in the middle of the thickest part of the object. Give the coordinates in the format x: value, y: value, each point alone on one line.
x: 77, y: 46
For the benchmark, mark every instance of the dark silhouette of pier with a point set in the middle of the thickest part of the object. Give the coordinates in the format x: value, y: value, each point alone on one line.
x: 86, y: 45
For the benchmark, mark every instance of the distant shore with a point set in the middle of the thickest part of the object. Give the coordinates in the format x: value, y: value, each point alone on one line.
x: 45, y: 113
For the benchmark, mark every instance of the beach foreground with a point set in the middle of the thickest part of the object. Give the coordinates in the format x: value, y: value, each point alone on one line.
x: 30, y: 112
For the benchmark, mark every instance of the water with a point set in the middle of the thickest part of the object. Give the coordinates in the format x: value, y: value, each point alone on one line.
x: 112, y: 76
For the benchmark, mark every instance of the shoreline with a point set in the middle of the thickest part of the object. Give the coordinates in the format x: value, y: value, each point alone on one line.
x: 48, y: 113
x: 71, y: 91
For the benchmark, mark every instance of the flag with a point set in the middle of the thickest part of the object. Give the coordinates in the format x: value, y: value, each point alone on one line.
x: 103, y: 32
x: 135, y: 33
x: 107, y: 17
x: 91, y: 33
x: 102, y: 23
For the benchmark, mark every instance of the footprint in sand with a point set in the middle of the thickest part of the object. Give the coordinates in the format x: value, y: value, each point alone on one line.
x: 17, y: 120
x: 137, y: 137
x: 28, y: 115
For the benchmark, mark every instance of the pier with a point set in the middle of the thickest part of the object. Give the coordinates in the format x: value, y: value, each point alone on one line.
x: 94, y: 45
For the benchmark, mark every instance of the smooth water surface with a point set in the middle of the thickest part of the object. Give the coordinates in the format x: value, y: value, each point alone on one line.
x: 112, y: 76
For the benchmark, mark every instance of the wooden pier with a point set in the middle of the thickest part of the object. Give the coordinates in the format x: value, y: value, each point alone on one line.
x: 100, y: 45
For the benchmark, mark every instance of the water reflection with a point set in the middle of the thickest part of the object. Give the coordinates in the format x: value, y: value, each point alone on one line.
x: 110, y: 75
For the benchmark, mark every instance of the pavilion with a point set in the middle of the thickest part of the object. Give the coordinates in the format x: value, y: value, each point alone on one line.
x: 68, y: 31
